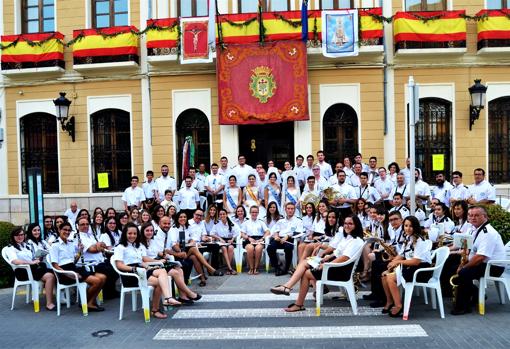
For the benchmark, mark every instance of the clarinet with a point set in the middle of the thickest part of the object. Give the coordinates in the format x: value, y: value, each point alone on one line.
x: 82, y: 259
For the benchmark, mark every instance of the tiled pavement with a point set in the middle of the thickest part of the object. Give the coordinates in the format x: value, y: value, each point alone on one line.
x: 239, y: 312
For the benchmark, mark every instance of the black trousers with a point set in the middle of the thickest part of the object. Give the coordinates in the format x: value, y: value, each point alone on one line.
x: 378, y: 267
x: 211, y: 200
x: 449, y: 269
x: 109, y: 290
x: 287, y: 247
x: 466, y: 292
x: 189, y: 212
x: 214, y: 250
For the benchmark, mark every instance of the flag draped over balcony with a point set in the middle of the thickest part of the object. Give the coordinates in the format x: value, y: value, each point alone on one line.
x: 188, y: 155
x: 304, y: 21
x: 262, y: 84
x: 32, y: 48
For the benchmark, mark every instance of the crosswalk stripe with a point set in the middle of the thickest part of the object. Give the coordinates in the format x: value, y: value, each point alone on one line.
x: 259, y: 297
x: 310, y: 332
x: 270, y: 313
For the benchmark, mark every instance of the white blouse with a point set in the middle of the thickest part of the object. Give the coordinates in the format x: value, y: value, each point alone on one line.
x: 62, y: 252
x: 130, y: 254
x: 419, y: 250
x: 254, y: 227
x: 222, y: 230
x: 24, y: 253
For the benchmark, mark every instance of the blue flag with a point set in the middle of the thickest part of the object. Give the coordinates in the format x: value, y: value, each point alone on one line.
x: 304, y: 21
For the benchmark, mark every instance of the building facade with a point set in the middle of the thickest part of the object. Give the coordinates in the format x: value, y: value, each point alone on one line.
x: 133, y: 109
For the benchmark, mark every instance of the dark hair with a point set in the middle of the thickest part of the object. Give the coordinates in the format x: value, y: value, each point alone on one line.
x: 363, y: 209
x: 229, y: 222
x: 363, y: 174
x: 108, y: 210
x: 108, y: 231
x: 232, y: 176
x: 208, y: 217
x: 310, y: 157
x: 143, y: 239
x: 123, y: 237
x: 291, y: 177
x: 318, y: 214
x: 398, y: 194
x: 276, y: 215
x: 415, y: 224
x: 214, y: 164
x: 251, y: 175
x: 479, y: 170
x: 445, y: 209
x: 273, y: 174
x: 397, y: 167
x: 373, y: 158
x: 320, y: 152
x: 30, y: 235
x: 120, y: 215
x: 93, y: 224
x: 457, y: 173
x: 167, y: 213
x: 381, y: 210
x: 168, y: 191
x: 330, y: 230
x: 16, y: 231
x: 244, y: 211
x: 65, y: 224
x: 300, y: 157
x: 314, y: 211
x: 309, y: 178
x: 223, y: 157
x: 80, y: 212
x: 188, y: 177
x: 155, y: 212
x: 395, y: 213
x: 465, y: 208
x: 149, y: 173
x: 176, y: 221
x: 358, y: 227
x: 96, y: 211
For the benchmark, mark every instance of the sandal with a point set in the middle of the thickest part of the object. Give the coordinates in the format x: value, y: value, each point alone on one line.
x: 217, y: 273
x: 250, y: 272
x: 228, y: 272
x: 158, y: 315
x: 171, y: 302
x: 256, y: 272
x: 280, y: 289
x: 386, y: 310
x: 292, y: 308
x: 398, y: 313
x: 202, y: 283
x: 232, y: 272
x: 197, y: 298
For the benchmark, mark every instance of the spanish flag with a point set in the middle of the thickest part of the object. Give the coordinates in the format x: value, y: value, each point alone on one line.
x: 94, y: 44
x: 165, y: 35
x: 450, y: 26
x: 495, y: 27
x: 51, y: 48
x: 371, y: 28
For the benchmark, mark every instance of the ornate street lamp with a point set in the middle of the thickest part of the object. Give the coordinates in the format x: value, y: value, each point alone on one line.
x: 477, y: 92
x: 62, y: 107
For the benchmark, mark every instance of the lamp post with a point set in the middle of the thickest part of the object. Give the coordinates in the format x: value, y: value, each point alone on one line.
x: 478, y: 94
x: 62, y: 108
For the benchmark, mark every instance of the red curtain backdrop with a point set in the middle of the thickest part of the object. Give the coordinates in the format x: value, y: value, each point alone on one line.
x: 262, y: 84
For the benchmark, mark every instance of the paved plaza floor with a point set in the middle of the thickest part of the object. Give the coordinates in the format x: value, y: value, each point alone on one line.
x: 240, y: 312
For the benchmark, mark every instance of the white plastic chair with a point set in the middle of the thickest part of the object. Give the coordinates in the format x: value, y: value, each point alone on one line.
x: 144, y: 289
x: 81, y: 289
x: 441, y: 254
x: 501, y: 282
x: 30, y: 284
x: 348, y: 285
x: 239, y: 254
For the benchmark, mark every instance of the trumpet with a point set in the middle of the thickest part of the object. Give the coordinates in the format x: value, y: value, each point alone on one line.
x: 444, y: 239
x: 455, y: 277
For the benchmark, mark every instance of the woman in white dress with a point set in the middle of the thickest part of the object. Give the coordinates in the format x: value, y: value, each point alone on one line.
x: 272, y: 192
x: 232, y: 196
x: 251, y: 194
x: 291, y: 193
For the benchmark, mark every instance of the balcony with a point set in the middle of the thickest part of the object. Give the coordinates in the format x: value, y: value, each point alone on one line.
x: 493, y: 31
x: 162, y: 40
x: 106, y: 48
x: 434, y: 32
x: 40, y: 53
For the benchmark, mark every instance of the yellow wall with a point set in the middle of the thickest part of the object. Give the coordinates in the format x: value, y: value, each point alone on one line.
x: 74, y: 161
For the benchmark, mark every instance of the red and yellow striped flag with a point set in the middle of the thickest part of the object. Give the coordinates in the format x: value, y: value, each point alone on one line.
x: 371, y: 28
x: 408, y: 26
x: 94, y: 44
x: 165, y: 36
x: 22, y: 52
x: 495, y: 27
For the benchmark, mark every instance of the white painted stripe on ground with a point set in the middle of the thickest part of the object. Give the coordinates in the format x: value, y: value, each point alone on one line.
x: 263, y: 297
x: 311, y: 332
x: 270, y: 313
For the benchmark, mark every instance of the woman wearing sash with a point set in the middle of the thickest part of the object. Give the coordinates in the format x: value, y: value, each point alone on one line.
x: 232, y: 196
x: 156, y: 253
x: 131, y: 257
x: 226, y: 232
x: 253, y: 232
x: 251, y: 194
x: 306, y: 275
x: 415, y: 254
x: 292, y: 194
x: 272, y: 192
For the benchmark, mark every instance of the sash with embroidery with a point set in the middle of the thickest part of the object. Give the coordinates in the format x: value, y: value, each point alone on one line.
x: 252, y: 195
x: 290, y: 197
x: 273, y: 192
x: 230, y: 200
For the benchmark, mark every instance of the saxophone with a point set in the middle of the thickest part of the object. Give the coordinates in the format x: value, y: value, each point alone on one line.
x: 453, y: 279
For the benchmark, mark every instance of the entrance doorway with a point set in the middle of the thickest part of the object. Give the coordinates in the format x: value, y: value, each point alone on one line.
x: 261, y: 143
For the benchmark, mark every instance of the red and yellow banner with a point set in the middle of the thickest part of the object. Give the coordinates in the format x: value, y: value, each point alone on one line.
x: 495, y: 27
x: 371, y: 28
x: 48, y: 47
x: 262, y: 84
x: 164, y: 35
x: 433, y: 26
x: 286, y: 25
x: 113, y: 41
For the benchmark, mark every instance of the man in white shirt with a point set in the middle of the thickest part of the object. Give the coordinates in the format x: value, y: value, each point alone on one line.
x: 133, y: 196
x: 384, y: 186
x: 334, y: 179
x: 354, y: 178
x: 282, y: 233
x: 373, y: 172
x: 358, y: 159
x: 487, y: 246
x: 165, y: 182
x: 262, y: 180
x: 406, y: 171
x: 441, y: 190
x: 150, y: 190
x: 398, y: 205
x: 346, y: 196
x: 299, y: 168
x: 242, y: 171
x: 309, y: 165
x: 189, y: 198
x: 72, y: 213
x: 365, y: 191
x: 320, y: 182
x: 421, y: 188
x: 458, y: 191
x: 196, y: 184
x: 308, y: 189
x: 201, y: 174
x: 481, y: 192
x: 214, y: 186
x: 402, y: 188
x: 326, y: 170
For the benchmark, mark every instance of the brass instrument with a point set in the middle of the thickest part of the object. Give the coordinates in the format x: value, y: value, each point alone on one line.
x: 453, y: 279
x: 331, y: 194
x: 310, y: 198
x: 444, y: 239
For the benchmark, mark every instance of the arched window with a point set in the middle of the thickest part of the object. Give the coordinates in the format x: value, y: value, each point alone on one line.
x: 340, y: 132
x: 433, y: 136
x: 38, y: 148
x: 194, y: 123
x: 499, y: 140
x: 111, y: 149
